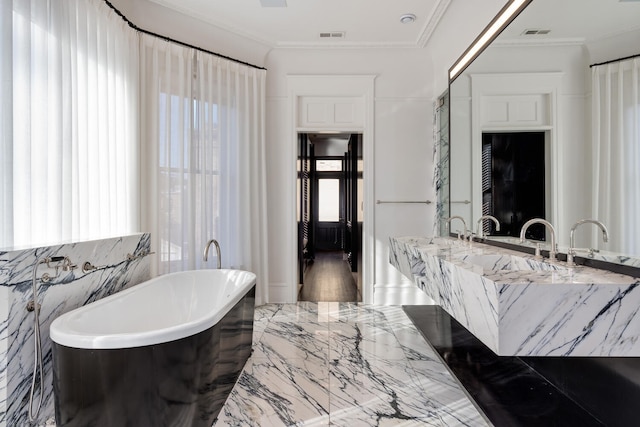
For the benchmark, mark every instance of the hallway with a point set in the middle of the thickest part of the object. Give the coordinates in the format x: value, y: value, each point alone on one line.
x: 329, y: 279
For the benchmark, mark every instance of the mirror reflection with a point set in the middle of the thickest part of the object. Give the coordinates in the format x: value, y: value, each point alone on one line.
x: 545, y: 123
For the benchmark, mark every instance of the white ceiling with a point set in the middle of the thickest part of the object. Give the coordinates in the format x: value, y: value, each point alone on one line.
x: 366, y: 23
x: 575, y: 21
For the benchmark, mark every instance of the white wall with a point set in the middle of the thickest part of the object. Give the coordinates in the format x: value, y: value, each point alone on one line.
x: 407, y: 83
x: 402, y: 144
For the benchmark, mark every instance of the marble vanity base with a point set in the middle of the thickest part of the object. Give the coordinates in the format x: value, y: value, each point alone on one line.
x: 505, y: 388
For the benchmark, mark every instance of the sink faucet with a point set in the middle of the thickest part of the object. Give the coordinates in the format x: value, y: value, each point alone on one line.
x: 205, y: 255
x: 464, y: 224
x: 552, y: 231
x: 480, y: 231
x: 571, y: 252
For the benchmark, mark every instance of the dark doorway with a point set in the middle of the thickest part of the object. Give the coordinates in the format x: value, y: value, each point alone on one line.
x: 329, y: 217
x: 513, y: 182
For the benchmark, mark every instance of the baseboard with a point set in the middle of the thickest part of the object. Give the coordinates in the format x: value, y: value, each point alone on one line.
x: 280, y: 293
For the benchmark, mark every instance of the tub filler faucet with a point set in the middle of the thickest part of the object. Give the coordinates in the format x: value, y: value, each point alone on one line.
x: 552, y: 231
x: 205, y: 255
x: 572, y: 250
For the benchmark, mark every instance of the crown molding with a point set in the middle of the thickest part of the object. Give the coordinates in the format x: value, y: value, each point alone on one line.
x: 432, y: 23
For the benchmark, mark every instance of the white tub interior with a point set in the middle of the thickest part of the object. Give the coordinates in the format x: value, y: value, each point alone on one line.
x: 163, y: 309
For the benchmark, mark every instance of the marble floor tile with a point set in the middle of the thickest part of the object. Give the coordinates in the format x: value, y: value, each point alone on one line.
x: 375, y: 389
x: 266, y: 312
x: 413, y: 344
x: 279, y: 393
x: 354, y: 341
x: 288, y: 340
x: 301, y: 312
x: 258, y: 329
x: 344, y: 364
x: 357, y: 312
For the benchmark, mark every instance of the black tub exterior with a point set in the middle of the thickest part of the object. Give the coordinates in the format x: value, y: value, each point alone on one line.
x: 178, y: 383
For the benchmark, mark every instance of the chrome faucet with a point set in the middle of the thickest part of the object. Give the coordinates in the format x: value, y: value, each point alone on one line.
x: 464, y: 224
x: 552, y: 231
x: 480, y: 231
x: 67, y: 265
x: 572, y: 251
x: 205, y: 255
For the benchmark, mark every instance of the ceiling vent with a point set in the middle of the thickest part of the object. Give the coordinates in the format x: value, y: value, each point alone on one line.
x: 332, y: 35
x: 535, y: 32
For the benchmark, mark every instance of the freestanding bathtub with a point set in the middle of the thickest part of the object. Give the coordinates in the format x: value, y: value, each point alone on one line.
x: 166, y: 352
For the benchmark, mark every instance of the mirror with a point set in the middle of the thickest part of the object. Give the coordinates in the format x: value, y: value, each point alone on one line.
x: 535, y: 78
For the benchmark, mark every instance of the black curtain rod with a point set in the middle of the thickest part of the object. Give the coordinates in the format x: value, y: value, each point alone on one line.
x: 135, y: 27
x: 615, y: 60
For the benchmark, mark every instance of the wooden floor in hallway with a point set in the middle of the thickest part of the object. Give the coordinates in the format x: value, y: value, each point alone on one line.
x: 329, y: 278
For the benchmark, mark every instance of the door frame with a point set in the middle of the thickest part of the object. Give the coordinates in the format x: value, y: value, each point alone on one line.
x: 359, y: 88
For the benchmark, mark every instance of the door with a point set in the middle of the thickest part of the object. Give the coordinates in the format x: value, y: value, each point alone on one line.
x: 304, y: 206
x: 328, y: 192
x: 513, y: 182
x: 352, y: 230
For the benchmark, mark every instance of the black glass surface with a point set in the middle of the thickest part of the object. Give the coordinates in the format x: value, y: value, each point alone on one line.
x: 508, y: 390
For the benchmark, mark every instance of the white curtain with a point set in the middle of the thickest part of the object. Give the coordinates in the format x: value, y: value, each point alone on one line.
x: 69, y: 129
x: 616, y: 152
x: 204, y: 149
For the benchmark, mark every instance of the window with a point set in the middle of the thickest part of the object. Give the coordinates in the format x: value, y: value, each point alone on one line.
x: 328, y: 200
x: 328, y: 165
x: 68, y: 134
x: 202, y: 122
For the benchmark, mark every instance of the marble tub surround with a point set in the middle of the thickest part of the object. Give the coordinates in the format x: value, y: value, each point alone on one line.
x: 344, y: 364
x: 69, y: 290
x: 518, y: 305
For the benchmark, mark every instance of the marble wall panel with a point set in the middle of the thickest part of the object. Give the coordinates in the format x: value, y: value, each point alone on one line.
x: 120, y: 262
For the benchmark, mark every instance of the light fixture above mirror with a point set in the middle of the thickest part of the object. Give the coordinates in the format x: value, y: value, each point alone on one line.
x: 502, y: 19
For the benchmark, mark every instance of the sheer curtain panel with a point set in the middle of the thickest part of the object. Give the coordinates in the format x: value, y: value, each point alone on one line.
x: 6, y: 125
x: 616, y: 151
x: 203, y: 142
x: 69, y: 103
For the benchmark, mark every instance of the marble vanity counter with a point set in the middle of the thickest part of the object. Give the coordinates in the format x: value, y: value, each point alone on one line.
x: 520, y: 306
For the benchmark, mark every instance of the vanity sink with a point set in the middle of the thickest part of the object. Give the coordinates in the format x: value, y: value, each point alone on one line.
x: 496, y: 262
x: 449, y: 242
